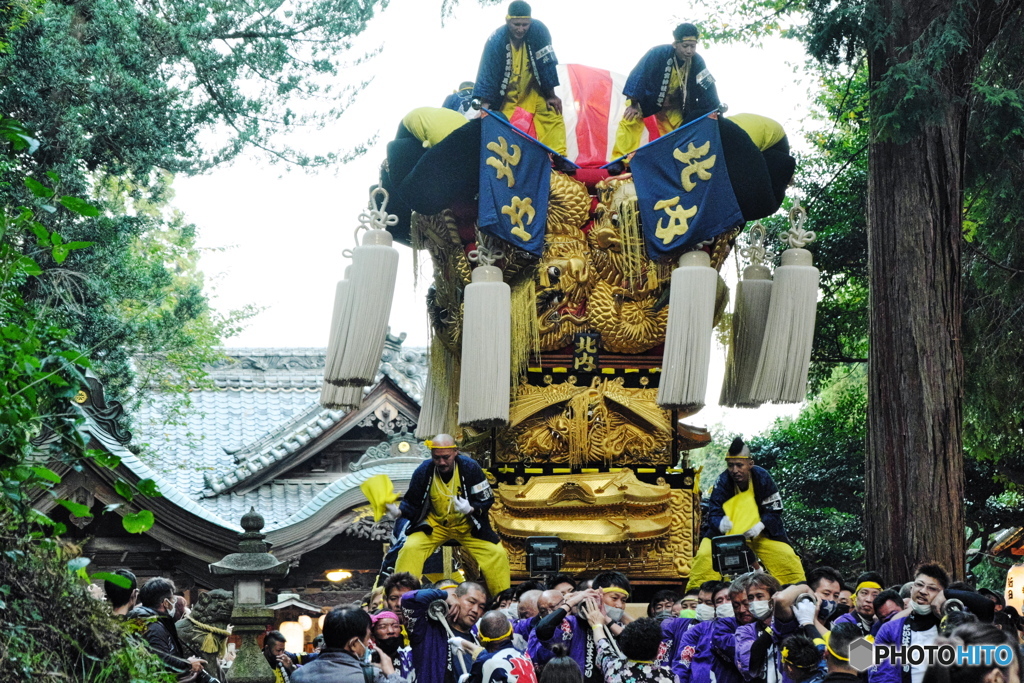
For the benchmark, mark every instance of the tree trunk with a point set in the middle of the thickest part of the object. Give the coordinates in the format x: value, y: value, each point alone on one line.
x: 914, y: 478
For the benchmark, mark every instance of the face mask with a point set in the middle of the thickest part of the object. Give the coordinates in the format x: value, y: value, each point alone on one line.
x: 664, y: 614
x: 512, y: 611
x: 760, y: 608
x: 826, y: 608
x: 705, y: 612
x: 841, y: 609
x: 614, y: 612
x: 725, y: 611
x: 918, y: 608
x: 688, y: 614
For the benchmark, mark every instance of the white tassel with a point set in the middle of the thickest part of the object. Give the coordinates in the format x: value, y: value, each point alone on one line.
x: 691, y: 314
x: 781, y: 375
x: 330, y: 397
x: 753, y: 298
x: 436, y: 414
x: 486, y: 350
x: 374, y: 269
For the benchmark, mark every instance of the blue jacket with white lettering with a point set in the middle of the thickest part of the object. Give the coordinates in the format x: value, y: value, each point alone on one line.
x: 647, y: 85
x: 766, y: 493
x: 496, y: 63
x: 473, y: 486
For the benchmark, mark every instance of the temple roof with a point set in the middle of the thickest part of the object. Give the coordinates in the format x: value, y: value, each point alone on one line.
x: 261, y: 411
x: 240, y: 441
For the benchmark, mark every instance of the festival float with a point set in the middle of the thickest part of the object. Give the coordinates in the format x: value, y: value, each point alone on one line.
x: 572, y: 309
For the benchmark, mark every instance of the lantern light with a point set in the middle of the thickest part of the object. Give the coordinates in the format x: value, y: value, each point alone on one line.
x: 338, y: 575
x: 1014, y: 591
x: 294, y: 637
x: 305, y: 621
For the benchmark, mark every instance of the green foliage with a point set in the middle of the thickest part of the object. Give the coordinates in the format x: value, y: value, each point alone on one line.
x: 53, y: 628
x: 41, y: 366
x: 127, y: 87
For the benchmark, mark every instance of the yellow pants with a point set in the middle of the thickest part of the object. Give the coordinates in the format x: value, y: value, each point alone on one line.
x: 491, y: 557
x: 778, y: 559
x: 627, y: 137
x: 548, y: 122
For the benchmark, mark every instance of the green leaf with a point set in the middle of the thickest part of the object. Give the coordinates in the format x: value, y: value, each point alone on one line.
x: 52, y: 175
x: 107, y: 459
x: 56, y: 239
x: 124, y: 490
x: 139, y: 522
x: 47, y: 474
x: 59, y: 253
x: 40, y: 232
x: 148, y: 487
x: 78, y: 563
x: 37, y: 188
x: 28, y: 266
x: 77, y: 509
x: 115, y: 579
x: 79, y: 206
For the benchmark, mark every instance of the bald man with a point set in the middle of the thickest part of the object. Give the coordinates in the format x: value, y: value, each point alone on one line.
x: 448, y: 500
x: 500, y: 662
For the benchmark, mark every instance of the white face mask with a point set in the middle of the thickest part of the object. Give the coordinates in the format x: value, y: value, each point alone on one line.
x: 614, y: 612
x: 760, y: 608
x: 918, y: 608
x: 705, y: 612
x: 725, y: 611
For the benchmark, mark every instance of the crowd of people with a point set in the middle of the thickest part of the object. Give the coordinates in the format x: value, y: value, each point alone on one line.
x: 775, y: 626
x: 558, y: 629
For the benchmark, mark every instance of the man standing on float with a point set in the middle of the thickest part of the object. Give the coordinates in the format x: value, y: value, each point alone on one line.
x: 746, y: 501
x: 671, y: 83
x: 448, y: 500
x: 517, y: 69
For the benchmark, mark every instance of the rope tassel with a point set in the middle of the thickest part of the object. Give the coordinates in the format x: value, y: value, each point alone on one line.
x: 374, y: 269
x: 753, y: 299
x: 486, y: 346
x: 781, y: 375
x: 691, y: 313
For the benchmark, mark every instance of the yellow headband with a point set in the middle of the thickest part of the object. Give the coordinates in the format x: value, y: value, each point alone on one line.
x: 785, y: 656
x: 509, y: 16
x: 507, y: 633
x: 616, y: 589
x: 867, y: 584
x: 828, y: 637
x: 431, y: 445
x: 687, y: 38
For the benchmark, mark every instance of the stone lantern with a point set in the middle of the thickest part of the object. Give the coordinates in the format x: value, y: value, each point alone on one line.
x: 250, y: 616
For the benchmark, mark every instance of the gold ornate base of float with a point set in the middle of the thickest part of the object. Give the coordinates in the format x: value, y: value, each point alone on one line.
x: 607, y: 521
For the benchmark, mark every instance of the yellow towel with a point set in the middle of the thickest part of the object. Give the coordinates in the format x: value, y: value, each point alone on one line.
x: 379, y: 491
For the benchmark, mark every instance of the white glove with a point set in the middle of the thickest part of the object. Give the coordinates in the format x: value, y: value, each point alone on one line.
x: 392, y: 511
x: 754, y: 531
x: 465, y: 645
x: 725, y: 526
x: 462, y: 506
x: 804, y: 610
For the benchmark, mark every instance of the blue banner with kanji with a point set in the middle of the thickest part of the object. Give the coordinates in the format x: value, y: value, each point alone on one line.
x: 515, y: 177
x: 683, y: 189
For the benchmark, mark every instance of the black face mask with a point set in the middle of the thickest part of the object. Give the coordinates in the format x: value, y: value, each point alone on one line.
x: 841, y: 609
x: 389, y: 645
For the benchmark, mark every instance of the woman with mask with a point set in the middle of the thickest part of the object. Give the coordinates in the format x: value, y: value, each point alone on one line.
x: 347, y: 651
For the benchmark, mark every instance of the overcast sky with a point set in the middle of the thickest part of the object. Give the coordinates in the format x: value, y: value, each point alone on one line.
x: 274, y: 237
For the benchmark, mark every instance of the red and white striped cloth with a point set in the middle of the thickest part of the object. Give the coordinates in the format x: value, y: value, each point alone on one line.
x: 592, y: 106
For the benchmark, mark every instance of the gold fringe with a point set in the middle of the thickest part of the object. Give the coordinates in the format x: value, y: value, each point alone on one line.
x: 578, y: 433
x: 416, y: 241
x: 633, y: 257
x: 525, y: 330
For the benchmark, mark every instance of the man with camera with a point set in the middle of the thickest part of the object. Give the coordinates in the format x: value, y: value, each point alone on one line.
x: 746, y: 501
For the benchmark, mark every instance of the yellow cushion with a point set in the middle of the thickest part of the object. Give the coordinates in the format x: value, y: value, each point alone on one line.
x: 430, y: 125
x: 764, y: 131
